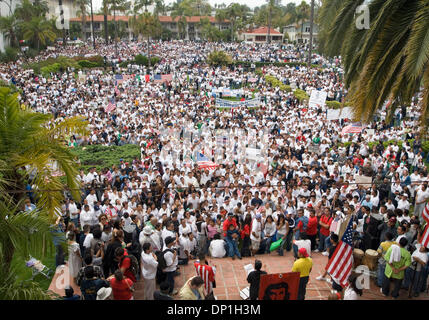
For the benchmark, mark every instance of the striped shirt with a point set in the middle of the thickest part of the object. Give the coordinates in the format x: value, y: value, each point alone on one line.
x: 207, y: 273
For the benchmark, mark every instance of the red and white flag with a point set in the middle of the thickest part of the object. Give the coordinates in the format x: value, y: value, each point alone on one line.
x: 110, y: 107
x: 341, y: 263
x: 424, y: 240
x: 425, y: 213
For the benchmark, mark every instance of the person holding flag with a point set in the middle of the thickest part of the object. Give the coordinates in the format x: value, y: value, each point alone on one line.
x: 206, y: 272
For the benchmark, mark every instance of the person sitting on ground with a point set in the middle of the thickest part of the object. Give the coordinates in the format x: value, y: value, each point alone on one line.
x: 217, y: 247
x: 232, y: 237
x: 193, y: 289
x: 69, y: 294
x: 162, y: 293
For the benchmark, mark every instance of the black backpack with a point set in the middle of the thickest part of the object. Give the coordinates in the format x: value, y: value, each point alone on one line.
x: 134, y: 265
x: 161, y: 260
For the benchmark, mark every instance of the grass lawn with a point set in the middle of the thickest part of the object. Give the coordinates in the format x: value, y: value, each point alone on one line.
x: 24, y: 273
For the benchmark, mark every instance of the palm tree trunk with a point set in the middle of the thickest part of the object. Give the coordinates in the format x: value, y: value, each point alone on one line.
x: 9, y: 251
x: 116, y: 30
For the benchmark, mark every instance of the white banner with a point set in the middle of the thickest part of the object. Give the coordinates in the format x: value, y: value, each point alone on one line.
x: 317, y: 98
x: 253, y: 154
x: 336, y: 114
x: 222, y: 103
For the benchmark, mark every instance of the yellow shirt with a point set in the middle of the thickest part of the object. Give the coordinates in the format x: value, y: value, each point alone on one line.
x: 303, y: 266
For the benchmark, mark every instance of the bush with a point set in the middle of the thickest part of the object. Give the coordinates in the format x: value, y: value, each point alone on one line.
x: 96, y: 61
x: 53, y: 68
x: 141, y: 60
x: 105, y: 156
x: 10, y: 54
x: 87, y: 64
x: 333, y: 104
x: 219, y: 58
x: 301, y: 95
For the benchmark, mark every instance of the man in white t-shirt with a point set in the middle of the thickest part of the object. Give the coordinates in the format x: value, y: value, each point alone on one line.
x: 217, y: 247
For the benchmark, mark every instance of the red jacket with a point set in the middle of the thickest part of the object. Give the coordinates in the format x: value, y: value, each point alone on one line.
x: 226, y: 224
x: 326, y: 220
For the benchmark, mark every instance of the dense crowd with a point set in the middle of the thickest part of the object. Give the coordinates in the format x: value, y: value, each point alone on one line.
x: 161, y: 210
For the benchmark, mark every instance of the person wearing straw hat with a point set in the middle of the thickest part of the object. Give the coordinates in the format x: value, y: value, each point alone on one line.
x: 104, y: 294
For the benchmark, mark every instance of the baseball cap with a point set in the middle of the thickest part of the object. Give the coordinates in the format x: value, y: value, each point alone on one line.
x: 303, y: 252
x: 258, y: 216
x: 230, y: 214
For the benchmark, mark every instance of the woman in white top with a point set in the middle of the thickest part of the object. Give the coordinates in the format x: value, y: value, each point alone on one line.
x: 269, y: 232
x: 352, y: 292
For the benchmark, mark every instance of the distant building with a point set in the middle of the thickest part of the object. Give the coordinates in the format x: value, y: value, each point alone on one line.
x: 259, y: 35
x: 193, y: 31
x: 8, y: 6
x: 301, y: 33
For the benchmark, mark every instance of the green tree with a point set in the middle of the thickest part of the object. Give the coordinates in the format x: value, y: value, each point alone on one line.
x: 238, y: 16
x: 9, y: 25
x: 303, y: 14
x: 219, y: 58
x: 39, y: 30
x: 388, y: 61
x: 27, y: 10
x: 220, y: 16
x: 29, y: 145
x: 82, y: 12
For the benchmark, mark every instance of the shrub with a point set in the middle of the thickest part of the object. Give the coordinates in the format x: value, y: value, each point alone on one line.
x: 219, y: 58
x: 141, y: 60
x: 301, y: 95
x: 333, y: 104
x: 105, y: 156
x: 53, y: 68
x: 10, y: 54
x: 87, y: 64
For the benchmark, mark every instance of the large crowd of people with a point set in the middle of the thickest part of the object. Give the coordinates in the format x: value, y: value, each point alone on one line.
x: 145, y: 218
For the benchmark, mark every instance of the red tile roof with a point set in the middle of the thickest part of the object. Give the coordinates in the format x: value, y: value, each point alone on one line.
x: 262, y: 30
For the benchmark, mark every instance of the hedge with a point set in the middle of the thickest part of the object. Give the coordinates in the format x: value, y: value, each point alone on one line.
x: 274, y: 82
x: 87, y: 64
x: 140, y: 60
x: 105, y: 156
x: 259, y: 64
x: 62, y: 61
x: 301, y: 95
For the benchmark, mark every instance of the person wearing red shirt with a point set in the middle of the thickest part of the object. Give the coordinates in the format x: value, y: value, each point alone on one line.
x: 206, y: 272
x: 124, y: 264
x: 312, y: 228
x: 227, y: 222
x: 121, y: 286
x: 358, y: 159
x: 325, y: 224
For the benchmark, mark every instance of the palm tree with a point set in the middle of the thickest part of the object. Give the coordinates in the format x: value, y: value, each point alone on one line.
x: 160, y: 7
x: 234, y: 11
x: 39, y: 30
x: 389, y: 61
x: 9, y: 25
x: 28, y: 147
x: 179, y: 14
x: 82, y: 5
x: 271, y: 4
x: 105, y: 9
x: 220, y: 16
x: 303, y: 14
x: 118, y: 5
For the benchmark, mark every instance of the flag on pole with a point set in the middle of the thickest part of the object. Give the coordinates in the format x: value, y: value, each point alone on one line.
x: 424, y: 240
x: 425, y: 213
x: 117, y: 92
x: 341, y: 263
x: 161, y: 78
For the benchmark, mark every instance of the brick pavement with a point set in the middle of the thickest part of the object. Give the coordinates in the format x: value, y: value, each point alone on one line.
x: 231, y: 278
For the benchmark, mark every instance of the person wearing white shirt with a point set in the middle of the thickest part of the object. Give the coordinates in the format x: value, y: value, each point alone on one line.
x: 149, y: 263
x: 255, y: 233
x: 86, y: 216
x: 171, y: 261
x: 92, y: 198
x: 168, y: 231
x: 217, y: 247
x: 404, y: 204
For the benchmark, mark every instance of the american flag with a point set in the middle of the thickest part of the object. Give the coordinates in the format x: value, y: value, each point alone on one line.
x: 117, y: 92
x: 119, y: 78
x: 162, y: 78
x: 204, y: 163
x: 352, y: 128
x: 424, y: 240
x: 110, y: 107
x: 341, y: 263
x: 425, y: 213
